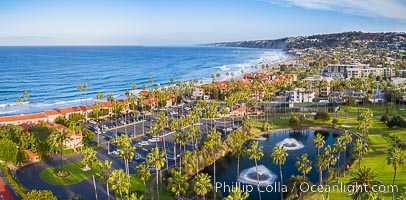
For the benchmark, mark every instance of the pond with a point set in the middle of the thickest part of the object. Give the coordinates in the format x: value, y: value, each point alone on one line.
x: 296, y: 142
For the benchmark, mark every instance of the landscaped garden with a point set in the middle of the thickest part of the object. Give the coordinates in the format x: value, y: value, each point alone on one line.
x: 76, y: 174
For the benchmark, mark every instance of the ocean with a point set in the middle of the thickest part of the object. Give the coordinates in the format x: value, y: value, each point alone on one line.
x: 51, y: 74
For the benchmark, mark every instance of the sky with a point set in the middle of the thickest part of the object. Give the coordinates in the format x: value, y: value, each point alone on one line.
x: 188, y: 22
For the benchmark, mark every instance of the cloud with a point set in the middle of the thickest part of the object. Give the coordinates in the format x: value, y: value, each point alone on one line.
x: 394, y: 9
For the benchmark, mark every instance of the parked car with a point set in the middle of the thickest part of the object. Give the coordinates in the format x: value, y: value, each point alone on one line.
x: 155, y: 139
x: 143, y: 143
x: 137, y: 156
x: 130, y: 134
x: 92, y: 122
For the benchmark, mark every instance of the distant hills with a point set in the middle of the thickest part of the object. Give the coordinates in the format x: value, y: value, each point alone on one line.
x: 345, y: 39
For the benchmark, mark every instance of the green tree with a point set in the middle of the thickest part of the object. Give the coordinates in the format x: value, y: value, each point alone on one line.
x: 347, y: 139
x: 321, y: 164
x: 89, y: 157
x: 134, y: 196
x: 143, y: 174
x: 202, y: 184
x: 177, y: 183
x: 58, y: 139
x: 125, y: 150
x: 40, y: 195
x: 237, y: 148
x: 120, y: 182
x: 19, y: 101
x: 212, y: 144
x: 365, y: 122
x: 26, y: 96
x: 361, y: 148
x: 104, y: 174
x: 157, y: 160
x: 237, y: 194
x: 294, y: 120
x: 255, y: 152
x: 81, y: 87
x: 363, y: 181
x: 319, y: 142
x: 396, y: 157
x: 303, y: 164
x: 8, y: 150
x: 279, y: 155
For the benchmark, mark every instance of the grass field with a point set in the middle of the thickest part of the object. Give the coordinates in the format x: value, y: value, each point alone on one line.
x: 380, y: 141
x: 76, y: 174
x: 393, y: 109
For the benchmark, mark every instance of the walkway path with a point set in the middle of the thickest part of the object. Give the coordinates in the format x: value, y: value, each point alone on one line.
x: 29, y: 177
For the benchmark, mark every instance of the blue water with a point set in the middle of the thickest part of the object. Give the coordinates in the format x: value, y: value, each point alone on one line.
x: 51, y: 74
x: 226, y: 168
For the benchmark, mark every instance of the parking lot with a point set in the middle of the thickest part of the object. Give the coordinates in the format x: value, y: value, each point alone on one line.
x: 145, y: 142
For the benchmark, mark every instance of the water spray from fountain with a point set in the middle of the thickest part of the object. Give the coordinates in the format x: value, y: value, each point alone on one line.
x: 291, y: 144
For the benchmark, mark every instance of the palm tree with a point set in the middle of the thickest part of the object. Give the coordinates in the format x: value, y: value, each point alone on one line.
x: 338, y: 147
x: 396, y: 157
x: 321, y: 164
x: 361, y: 148
x: 177, y: 183
x: 319, y: 142
x: 89, y: 157
x: 279, y: 155
x: 143, y: 174
x: 304, y: 165
x: 202, y: 184
x: 104, y: 173
x: 365, y: 177
x: 126, y: 150
x: 156, y: 159
x: 26, y: 96
x: 255, y: 152
x: 212, y: 144
x: 237, y: 194
x: 120, y: 182
x: 58, y: 138
x: 162, y: 121
x: 347, y: 138
x: 331, y: 159
x: 19, y: 101
x: 81, y: 87
x: 134, y: 197
x: 237, y: 148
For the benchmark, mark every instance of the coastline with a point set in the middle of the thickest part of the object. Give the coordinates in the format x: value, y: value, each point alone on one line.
x: 32, y: 107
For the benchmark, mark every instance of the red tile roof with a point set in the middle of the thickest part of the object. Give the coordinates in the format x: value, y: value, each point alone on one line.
x: 106, y: 104
x: 51, y: 112
x: 22, y: 117
x: 31, y: 154
x: 144, y: 93
x: 25, y: 126
x: 151, y: 101
x: 58, y: 126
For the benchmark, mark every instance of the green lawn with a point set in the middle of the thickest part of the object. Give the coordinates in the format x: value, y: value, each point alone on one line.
x: 76, y: 174
x: 394, y: 109
x: 379, y: 137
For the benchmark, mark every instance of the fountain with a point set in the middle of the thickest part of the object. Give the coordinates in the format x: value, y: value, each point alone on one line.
x: 291, y: 144
x: 249, y: 176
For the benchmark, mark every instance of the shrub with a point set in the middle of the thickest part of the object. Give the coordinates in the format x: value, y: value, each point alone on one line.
x: 267, y: 126
x: 294, y: 120
x: 335, y: 122
x: 397, y: 121
x: 41, y: 195
x: 322, y: 116
x: 385, y: 118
